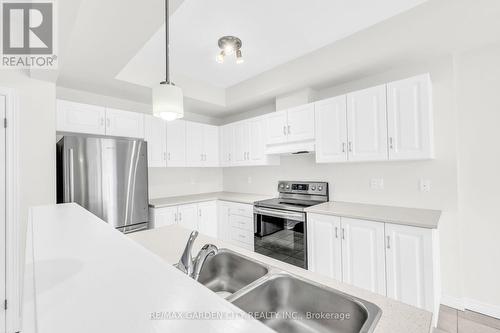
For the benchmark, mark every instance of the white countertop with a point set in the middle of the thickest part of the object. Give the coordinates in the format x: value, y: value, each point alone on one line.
x: 423, y: 218
x: 245, y: 198
x: 168, y: 243
x: 84, y: 276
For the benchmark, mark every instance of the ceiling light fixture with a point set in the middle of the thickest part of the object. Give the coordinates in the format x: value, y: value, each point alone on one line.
x: 168, y: 100
x: 230, y: 45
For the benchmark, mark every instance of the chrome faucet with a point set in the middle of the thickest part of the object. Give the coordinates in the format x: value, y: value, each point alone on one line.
x: 193, y: 267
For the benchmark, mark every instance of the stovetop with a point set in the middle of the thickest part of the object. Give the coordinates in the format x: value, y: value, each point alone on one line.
x: 295, y: 205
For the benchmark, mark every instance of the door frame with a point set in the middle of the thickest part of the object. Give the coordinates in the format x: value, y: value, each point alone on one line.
x: 13, y: 250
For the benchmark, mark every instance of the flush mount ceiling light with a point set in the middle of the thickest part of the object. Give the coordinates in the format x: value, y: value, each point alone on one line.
x: 168, y: 101
x: 228, y: 46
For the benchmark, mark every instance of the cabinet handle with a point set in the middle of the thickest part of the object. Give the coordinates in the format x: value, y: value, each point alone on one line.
x: 343, y: 233
x: 108, y: 122
x: 336, y: 232
x: 350, y: 146
x: 180, y: 216
x: 168, y: 156
x: 175, y: 217
x: 289, y: 131
x: 199, y: 212
x: 343, y: 147
x: 388, y: 242
x: 391, y: 145
x: 165, y: 156
x: 284, y: 130
x: 229, y: 157
x: 102, y: 121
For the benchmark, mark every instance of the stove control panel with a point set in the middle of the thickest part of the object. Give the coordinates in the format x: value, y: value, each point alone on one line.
x: 312, y: 188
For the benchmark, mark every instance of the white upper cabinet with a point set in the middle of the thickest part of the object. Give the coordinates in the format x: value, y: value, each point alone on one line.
x: 324, y: 246
x: 155, y: 134
x: 241, y: 143
x: 227, y: 145
x: 300, y: 124
x: 331, y: 130
x: 276, y: 127
x: 80, y: 118
x: 409, y: 118
x: 124, y: 123
x: 257, y: 140
x: 409, y: 259
x: 363, y: 254
x: 202, y: 145
x: 176, y: 143
x: 367, y: 124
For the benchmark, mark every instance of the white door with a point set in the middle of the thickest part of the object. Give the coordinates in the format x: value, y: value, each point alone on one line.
x: 324, y: 246
x: 363, y: 254
x: 242, y: 137
x: 409, y: 118
x: 164, y: 216
x: 300, y: 125
x: 227, y: 144
x: 187, y: 216
x: 409, y: 265
x: 124, y: 123
x: 176, y: 143
x: 155, y: 133
x: 194, y: 144
x: 2, y: 213
x: 276, y: 129
x: 207, y: 218
x: 256, y: 146
x: 210, y: 146
x: 367, y: 124
x: 223, y: 209
x: 80, y: 118
x: 331, y: 130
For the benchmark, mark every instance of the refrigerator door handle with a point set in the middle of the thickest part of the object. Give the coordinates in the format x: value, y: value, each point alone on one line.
x: 71, y: 179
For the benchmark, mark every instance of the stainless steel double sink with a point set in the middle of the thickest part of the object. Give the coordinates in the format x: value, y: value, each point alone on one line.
x: 285, y: 302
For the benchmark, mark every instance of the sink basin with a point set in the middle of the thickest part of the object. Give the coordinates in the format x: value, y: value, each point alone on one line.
x: 282, y: 295
x: 227, y: 272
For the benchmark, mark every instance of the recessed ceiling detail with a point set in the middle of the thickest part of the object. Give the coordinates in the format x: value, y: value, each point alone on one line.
x: 278, y: 32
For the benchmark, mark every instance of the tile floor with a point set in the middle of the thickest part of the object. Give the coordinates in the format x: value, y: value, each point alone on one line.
x: 455, y: 321
x: 285, y: 245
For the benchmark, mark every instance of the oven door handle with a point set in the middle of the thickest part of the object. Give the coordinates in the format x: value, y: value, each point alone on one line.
x: 279, y: 213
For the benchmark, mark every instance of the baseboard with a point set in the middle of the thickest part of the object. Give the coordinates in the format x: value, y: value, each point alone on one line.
x: 483, y: 308
x: 453, y: 302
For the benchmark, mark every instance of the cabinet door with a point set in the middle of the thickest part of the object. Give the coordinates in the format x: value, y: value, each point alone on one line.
x: 187, y: 216
x: 207, y: 218
x: 223, y: 209
x: 227, y: 144
x: 210, y: 146
x: 176, y: 143
x: 256, y: 138
x: 367, y: 124
x: 276, y: 129
x: 242, y: 142
x: 331, y: 130
x: 163, y: 216
x: 409, y: 117
x: 80, y: 118
x: 300, y: 125
x: 363, y: 254
x: 155, y: 134
x: 410, y: 265
x: 124, y: 123
x: 324, y: 247
x: 194, y: 144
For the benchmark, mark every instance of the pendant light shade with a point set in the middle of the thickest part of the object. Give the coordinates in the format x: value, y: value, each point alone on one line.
x: 168, y: 102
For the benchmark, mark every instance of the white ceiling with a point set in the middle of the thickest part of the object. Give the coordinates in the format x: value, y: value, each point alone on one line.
x: 273, y: 32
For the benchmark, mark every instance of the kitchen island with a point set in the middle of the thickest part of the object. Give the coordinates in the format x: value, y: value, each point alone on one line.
x: 84, y: 276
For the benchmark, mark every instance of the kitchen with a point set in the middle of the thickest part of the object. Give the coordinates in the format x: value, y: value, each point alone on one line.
x: 349, y: 167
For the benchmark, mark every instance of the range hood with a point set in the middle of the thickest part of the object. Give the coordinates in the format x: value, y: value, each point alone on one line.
x: 293, y: 148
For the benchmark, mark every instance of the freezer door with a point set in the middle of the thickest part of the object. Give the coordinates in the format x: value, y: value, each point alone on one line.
x: 125, y: 182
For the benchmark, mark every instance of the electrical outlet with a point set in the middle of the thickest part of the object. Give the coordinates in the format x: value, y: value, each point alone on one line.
x: 249, y: 180
x: 425, y: 185
x: 377, y: 183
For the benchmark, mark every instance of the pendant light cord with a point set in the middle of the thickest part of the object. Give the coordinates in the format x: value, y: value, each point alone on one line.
x: 167, y: 69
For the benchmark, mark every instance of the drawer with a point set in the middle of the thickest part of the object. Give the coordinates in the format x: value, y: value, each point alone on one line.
x: 241, y: 210
x: 241, y: 235
x: 241, y: 222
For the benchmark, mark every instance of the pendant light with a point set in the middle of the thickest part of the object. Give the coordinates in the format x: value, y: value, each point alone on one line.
x: 168, y: 101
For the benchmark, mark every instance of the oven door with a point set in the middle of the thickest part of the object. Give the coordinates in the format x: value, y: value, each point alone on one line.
x: 281, y: 234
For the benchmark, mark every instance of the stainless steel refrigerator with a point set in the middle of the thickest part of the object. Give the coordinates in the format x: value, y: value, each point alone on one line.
x: 107, y: 176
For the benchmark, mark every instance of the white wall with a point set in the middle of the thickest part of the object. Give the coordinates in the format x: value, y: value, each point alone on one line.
x: 478, y: 91
x: 351, y: 181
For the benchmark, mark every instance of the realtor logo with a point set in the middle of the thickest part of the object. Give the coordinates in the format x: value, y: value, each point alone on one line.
x: 28, y: 32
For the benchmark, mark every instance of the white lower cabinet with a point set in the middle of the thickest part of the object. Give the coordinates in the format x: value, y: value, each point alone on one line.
x: 393, y: 260
x: 363, y: 254
x: 207, y: 218
x: 161, y: 217
x: 410, y: 270
x: 187, y: 216
x: 236, y: 224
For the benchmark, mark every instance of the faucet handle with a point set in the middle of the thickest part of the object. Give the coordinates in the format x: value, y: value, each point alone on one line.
x: 186, y: 262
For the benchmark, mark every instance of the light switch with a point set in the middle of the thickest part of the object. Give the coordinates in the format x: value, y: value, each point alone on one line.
x: 377, y: 183
x: 425, y: 185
